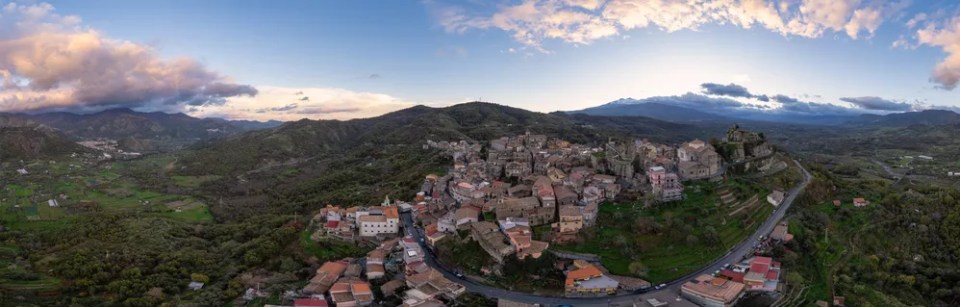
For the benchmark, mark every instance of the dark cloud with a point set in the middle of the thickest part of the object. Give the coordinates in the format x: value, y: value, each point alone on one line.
x: 784, y: 99
x: 732, y: 90
x: 878, y: 104
x: 374, y: 76
x: 285, y: 108
x: 304, y: 98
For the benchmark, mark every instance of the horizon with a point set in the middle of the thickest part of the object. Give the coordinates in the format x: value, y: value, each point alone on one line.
x: 361, y: 59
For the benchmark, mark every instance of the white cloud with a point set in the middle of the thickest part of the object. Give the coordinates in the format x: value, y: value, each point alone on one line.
x: 945, y: 35
x: 282, y: 103
x: 530, y: 22
x: 49, y: 61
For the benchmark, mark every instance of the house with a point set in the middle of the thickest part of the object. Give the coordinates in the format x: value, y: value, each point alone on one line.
x: 390, y: 288
x: 665, y: 186
x: 466, y: 215
x: 706, y: 290
x: 781, y: 233
x: 22, y: 171
x: 411, y: 250
x: 310, y: 302
x: 590, y: 214
x: 571, y: 220
x: 836, y: 203
x: 589, y: 280
x: 447, y: 223
x: 565, y: 196
x: 775, y: 197
x: 520, y: 191
x: 631, y: 283
x: 195, y: 285
x: 839, y: 301
x: 372, y: 225
x: 698, y: 160
x: 491, y: 240
x: 432, y: 284
x: 521, y: 237
x: 860, y: 202
x: 539, y: 216
x: 326, y: 276
x: 763, y: 274
x: 543, y: 188
x: 433, y: 234
x: 375, y: 259
x: 515, y: 206
x: 510, y: 222
x: 351, y: 292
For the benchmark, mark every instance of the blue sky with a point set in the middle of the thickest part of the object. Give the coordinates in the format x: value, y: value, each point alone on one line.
x: 344, y: 59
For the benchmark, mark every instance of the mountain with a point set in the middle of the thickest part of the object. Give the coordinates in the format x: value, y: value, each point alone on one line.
x: 136, y: 131
x: 681, y: 109
x: 632, y: 107
x: 22, y: 138
x: 925, y: 117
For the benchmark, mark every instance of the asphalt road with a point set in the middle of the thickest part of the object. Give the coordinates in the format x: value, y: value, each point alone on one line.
x: 672, y: 290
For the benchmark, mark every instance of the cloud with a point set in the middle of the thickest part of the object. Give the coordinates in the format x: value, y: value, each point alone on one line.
x: 49, y: 61
x: 945, y: 35
x: 324, y: 103
x: 530, y: 22
x: 732, y: 90
x: 374, y: 76
x: 877, y: 104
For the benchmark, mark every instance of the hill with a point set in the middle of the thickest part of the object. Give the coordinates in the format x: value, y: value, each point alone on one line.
x: 925, y: 117
x: 21, y: 138
x: 308, y: 163
x: 631, y: 107
x: 136, y: 131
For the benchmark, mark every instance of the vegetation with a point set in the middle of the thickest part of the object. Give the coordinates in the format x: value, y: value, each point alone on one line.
x: 666, y: 241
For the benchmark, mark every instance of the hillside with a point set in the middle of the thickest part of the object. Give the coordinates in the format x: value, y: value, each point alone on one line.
x: 21, y: 138
x: 138, y: 131
x: 308, y: 163
x: 925, y: 117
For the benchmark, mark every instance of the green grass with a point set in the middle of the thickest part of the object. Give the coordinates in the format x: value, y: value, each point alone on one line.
x: 330, y: 249
x: 193, y: 181
x: 196, y: 214
x: 671, y: 257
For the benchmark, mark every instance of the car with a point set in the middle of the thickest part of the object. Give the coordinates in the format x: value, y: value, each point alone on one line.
x: 459, y: 275
x: 662, y: 286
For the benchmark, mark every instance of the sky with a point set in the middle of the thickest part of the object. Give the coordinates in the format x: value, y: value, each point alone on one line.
x: 289, y: 60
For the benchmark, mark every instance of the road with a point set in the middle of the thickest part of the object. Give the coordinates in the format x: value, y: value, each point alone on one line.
x: 667, y: 294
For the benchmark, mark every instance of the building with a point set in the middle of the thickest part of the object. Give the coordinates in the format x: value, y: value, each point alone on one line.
x: 860, y: 202
x: 492, y: 240
x: 411, y: 250
x: 589, y: 280
x: 781, y: 233
x: 374, y: 263
x: 571, y: 220
x: 763, y: 275
x: 466, y: 215
x: 327, y: 274
x: 705, y: 290
x: 698, y: 160
x: 665, y: 186
x: 378, y: 220
x: 775, y: 197
x: 431, y: 284
x: 433, y: 234
x: 351, y: 292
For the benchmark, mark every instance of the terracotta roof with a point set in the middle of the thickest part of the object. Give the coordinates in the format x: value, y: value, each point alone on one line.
x: 332, y: 224
x: 584, y: 273
x: 309, y: 302
x: 760, y: 268
x: 373, y: 218
x: 391, y: 212
x: 737, y: 277
x: 340, y: 287
x: 360, y: 288
x: 859, y: 200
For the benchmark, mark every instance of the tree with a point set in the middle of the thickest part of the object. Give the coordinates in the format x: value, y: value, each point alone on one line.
x: 199, y: 278
x: 638, y: 268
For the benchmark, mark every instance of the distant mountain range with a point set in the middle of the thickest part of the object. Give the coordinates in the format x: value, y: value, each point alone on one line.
x: 139, y: 131
x: 22, y: 138
x: 683, y: 114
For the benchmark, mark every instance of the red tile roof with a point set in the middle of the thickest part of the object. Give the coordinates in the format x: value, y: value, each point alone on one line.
x: 309, y: 302
x: 759, y: 268
x: 332, y: 224
x: 773, y: 275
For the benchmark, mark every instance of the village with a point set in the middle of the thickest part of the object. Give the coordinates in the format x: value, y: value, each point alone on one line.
x: 515, y: 196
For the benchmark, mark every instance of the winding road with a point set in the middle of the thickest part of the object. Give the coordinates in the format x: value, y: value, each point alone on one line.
x: 670, y: 293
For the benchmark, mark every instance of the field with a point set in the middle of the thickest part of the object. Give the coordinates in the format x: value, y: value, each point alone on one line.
x: 673, y: 239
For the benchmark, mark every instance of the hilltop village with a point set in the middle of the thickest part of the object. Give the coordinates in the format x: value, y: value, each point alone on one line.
x: 515, y: 196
